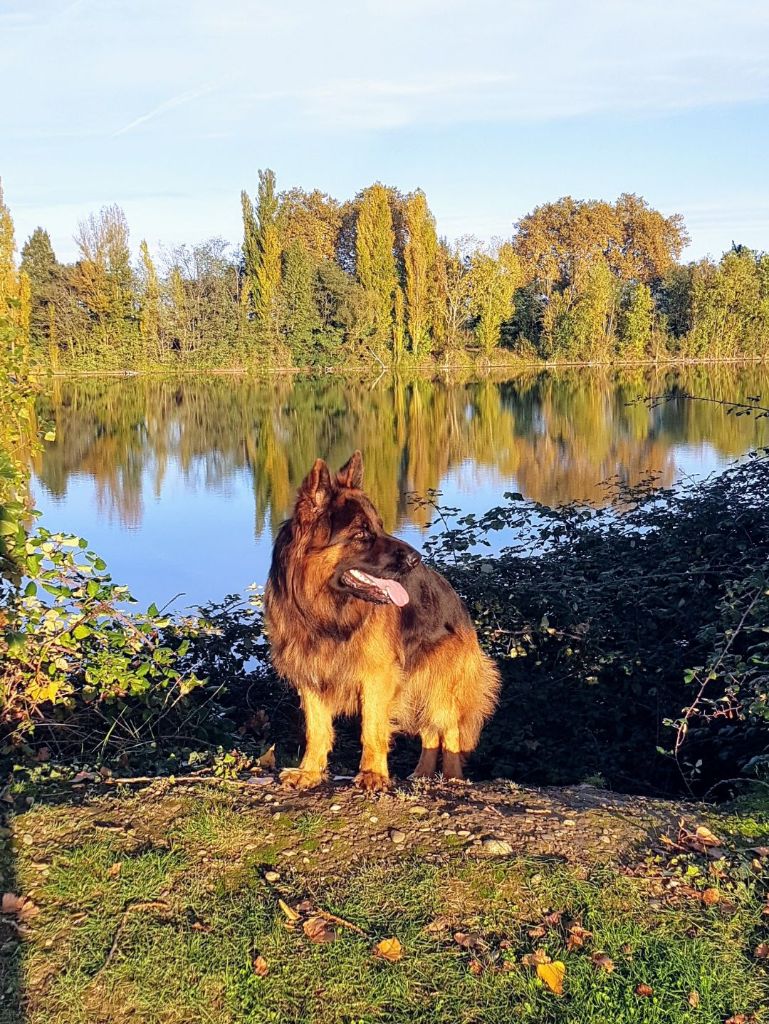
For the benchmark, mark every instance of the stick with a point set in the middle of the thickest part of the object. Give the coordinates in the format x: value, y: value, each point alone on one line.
x: 133, y: 905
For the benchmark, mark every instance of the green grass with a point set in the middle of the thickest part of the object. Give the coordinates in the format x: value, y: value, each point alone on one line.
x: 201, y: 911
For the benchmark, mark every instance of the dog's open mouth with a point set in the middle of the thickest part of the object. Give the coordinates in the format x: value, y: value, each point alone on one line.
x: 375, y: 588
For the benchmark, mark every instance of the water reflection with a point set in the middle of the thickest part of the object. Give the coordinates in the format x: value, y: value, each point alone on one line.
x: 125, y: 445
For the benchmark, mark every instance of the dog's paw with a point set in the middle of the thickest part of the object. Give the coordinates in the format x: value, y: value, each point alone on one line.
x: 295, y: 778
x: 372, y: 782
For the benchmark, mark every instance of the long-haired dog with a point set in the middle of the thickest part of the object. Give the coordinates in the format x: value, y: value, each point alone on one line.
x: 357, y: 623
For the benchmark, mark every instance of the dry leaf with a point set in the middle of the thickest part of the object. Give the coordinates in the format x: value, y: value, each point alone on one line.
x: 389, y: 949
x: 553, y: 919
x: 705, y: 837
x: 535, y: 959
x: 22, y: 908
x: 267, y: 760
x: 710, y: 897
x: 115, y: 870
x: 577, y: 937
x: 603, y: 961
x: 693, y: 999
x: 261, y: 967
x: 553, y: 975
x: 761, y: 851
x: 318, y: 930
x: 537, y: 933
x: 291, y: 914
x: 469, y: 940
x: 761, y: 952
x: 475, y: 967
x: 644, y: 990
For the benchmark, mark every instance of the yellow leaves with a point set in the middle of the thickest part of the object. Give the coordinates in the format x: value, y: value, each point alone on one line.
x: 710, y: 897
x: 552, y: 975
x: 389, y: 949
x: 289, y: 912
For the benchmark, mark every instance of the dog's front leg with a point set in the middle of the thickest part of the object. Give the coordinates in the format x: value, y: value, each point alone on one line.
x: 377, y: 700
x: 319, y: 730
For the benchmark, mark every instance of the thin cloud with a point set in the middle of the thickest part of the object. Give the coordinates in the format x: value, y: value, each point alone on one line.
x: 171, y: 104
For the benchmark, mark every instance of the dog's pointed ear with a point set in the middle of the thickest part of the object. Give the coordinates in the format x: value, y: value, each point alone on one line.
x: 316, y: 489
x: 351, y: 473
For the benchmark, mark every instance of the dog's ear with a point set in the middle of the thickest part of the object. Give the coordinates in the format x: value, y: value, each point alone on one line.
x: 315, y: 492
x: 351, y: 473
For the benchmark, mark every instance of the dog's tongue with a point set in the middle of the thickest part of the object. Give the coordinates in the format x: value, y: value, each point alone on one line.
x: 393, y: 589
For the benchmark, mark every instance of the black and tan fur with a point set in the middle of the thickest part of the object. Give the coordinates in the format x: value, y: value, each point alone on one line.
x: 348, y: 649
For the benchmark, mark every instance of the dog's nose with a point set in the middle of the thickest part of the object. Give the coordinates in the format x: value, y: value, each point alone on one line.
x: 413, y: 558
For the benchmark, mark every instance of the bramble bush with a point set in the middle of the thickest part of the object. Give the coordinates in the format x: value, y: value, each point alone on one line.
x: 633, y: 640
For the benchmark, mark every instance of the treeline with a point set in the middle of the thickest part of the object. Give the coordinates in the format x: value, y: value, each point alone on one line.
x: 321, y: 282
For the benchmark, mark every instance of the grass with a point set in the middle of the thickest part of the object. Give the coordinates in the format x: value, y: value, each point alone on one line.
x: 186, y: 911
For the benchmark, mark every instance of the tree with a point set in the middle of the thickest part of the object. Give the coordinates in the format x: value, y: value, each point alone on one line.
x: 268, y: 262
x: 650, y: 242
x: 493, y: 283
x: 39, y: 263
x: 103, y: 276
x: 636, y: 322
x: 420, y: 256
x: 453, y: 284
x: 149, y: 315
x: 375, y: 257
x: 313, y: 219
x: 8, y: 277
x: 299, y: 316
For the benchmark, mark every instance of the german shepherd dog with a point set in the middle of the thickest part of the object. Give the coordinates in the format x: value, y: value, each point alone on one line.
x: 357, y: 623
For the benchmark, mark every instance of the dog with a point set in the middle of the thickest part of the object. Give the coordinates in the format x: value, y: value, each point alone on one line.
x: 357, y: 623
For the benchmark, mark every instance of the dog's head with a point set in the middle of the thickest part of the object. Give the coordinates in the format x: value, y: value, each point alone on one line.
x: 344, y: 541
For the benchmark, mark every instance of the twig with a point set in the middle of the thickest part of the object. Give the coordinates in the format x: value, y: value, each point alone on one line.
x: 137, y: 780
x: 130, y: 907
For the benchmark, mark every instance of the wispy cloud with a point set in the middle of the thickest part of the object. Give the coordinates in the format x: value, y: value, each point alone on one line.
x: 163, y: 108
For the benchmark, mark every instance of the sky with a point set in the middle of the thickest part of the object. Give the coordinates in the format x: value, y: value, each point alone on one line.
x: 169, y: 107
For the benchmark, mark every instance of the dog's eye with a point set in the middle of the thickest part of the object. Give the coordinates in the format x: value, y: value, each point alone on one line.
x: 362, y: 535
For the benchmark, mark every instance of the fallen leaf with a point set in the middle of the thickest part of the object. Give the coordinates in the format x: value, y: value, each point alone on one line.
x: 553, y: 919
x: 305, y: 907
x: 761, y: 952
x: 693, y: 999
x: 475, y: 967
x: 644, y: 990
x: 318, y: 930
x: 761, y: 851
x: 469, y: 940
x: 537, y: 933
x: 115, y: 870
x: 291, y: 914
x: 267, y: 760
x: 536, y: 958
x: 553, y: 975
x: 577, y: 937
x: 21, y: 907
x: 261, y: 967
x: 710, y: 897
x: 389, y: 949
x: 603, y: 961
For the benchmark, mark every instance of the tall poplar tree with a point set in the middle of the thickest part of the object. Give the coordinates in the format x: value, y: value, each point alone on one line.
x: 267, y: 268
x: 420, y: 254
x: 375, y: 257
x: 149, y: 315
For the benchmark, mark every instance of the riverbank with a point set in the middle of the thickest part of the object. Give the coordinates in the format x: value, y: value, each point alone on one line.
x: 480, y: 903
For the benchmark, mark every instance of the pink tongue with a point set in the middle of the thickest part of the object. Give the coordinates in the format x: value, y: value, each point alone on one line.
x: 393, y: 589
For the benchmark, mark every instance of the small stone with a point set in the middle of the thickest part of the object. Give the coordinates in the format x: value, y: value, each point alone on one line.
x: 496, y: 847
x: 335, y: 807
x: 28, y: 840
x: 606, y: 839
x: 276, y: 815
x: 449, y: 832
x: 464, y: 832
x: 445, y: 814
x: 569, y: 821
x: 272, y: 876
x: 418, y: 811
x: 305, y: 860
x: 373, y: 819
x: 397, y: 837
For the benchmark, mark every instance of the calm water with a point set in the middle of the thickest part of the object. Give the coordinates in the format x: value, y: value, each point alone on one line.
x: 180, y: 485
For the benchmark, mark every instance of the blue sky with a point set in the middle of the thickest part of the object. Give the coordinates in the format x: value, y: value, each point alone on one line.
x: 492, y: 106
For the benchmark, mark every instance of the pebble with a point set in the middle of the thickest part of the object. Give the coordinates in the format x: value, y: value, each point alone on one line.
x: 449, y: 832
x: 464, y: 832
x: 373, y: 819
x: 606, y: 839
x: 397, y: 837
x: 335, y: 807
x: 496, y: 847
x: 272, y: 876
x: 569, y: 821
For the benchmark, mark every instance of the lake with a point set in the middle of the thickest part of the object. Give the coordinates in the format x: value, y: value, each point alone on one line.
x: 180, y: 484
